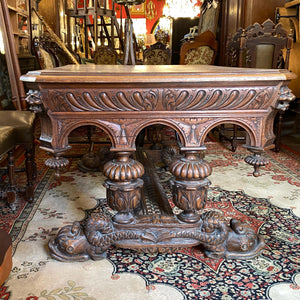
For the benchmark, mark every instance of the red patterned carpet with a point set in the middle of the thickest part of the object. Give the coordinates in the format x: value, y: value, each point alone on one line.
x: 270, y: 205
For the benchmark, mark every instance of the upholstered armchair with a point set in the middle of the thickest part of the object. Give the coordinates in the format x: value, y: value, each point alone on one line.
x: 17, y: 129
x: 200, y: 51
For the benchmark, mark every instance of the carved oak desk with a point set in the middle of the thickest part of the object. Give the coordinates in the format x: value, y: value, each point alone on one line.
x: 122, y: 100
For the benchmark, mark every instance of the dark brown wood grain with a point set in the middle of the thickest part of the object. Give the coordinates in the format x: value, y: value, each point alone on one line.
x: 123, y: 100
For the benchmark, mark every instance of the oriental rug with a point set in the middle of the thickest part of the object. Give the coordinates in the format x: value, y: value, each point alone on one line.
x: 270, y: 203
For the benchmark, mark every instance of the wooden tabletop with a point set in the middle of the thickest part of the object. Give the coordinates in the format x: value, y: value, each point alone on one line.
x: 153, y: 74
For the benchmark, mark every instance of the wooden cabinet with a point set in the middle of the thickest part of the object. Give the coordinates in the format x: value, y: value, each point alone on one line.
x: 54, y: 14
x: 259, y: 11
x: 19, y: 13
x: 11, y: 60
x: 288, y: 15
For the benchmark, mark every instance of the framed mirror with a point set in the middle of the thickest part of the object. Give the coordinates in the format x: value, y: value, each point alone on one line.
x: 13, y: 94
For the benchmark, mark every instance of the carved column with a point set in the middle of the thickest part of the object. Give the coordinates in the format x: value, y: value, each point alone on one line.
x: 123, y: 186
x: 34, y: 100
x: 190, y: 184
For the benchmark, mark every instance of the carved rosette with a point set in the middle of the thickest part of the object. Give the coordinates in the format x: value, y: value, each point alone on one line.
x: 190, y: 185
x: 123, y: 186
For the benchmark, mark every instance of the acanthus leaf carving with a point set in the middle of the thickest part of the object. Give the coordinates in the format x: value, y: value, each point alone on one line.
x: 166, y: 99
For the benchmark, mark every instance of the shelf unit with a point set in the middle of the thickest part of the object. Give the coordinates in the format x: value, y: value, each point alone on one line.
x: 293, y: 8
x: 291, y: 3
x: 288, y: 16
x: 19, y: 13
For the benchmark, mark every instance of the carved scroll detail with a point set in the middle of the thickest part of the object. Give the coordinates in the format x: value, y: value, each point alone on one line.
x: 165, y: 99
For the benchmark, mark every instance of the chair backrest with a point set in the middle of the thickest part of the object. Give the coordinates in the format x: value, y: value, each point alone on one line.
x: 105, y: 55
x: 157, y: 54
x: 45, y: 57
x: 260, y: 46
x: 200, y: 51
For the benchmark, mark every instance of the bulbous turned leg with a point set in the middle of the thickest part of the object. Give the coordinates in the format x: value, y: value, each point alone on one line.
x: 256, y: 160
x: 57, y: 163
x: 123, y: 186
x: 190, y: 184
x: 124, y: 197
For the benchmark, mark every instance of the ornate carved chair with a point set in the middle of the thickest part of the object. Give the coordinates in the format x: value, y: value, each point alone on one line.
x: 59, y: 53
x: 264, y: 46
x: 104, y: 55
x: 50, y: 54
x: 157, y: 54
x: 45, y: 56
x: 200, y: 51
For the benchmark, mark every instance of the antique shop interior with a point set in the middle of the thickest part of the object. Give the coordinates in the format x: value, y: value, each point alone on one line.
x: 164, y: 135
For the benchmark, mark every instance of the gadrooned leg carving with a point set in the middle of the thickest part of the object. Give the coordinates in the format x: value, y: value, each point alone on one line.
x: 123, y: 186
x: 57, y: 163
x: 190, y: 186
x: 256, y: 160
x: 237, y: 240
